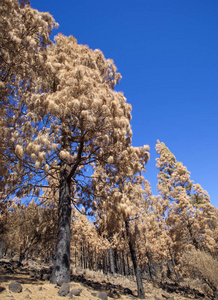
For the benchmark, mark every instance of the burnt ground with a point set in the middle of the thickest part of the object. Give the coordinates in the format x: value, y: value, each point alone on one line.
x: 34, y: 278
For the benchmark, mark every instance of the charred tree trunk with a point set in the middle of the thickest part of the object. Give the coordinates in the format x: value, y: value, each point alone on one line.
x: 1, y: 248
x: 96, y: 261
x: 51, y: 258
x: 174, y: 265
x: 111, y: 258
x: 27, y: 255
x: 149, y: 267
x: 123, y: 263
x: 21, y: 257
x: 81, y: 256
x: 138, y: 274
x: 104, y: 264
x: 127, y: 261
x: 75, y: 256
x: 84, y: 255
x: 116, y: 261
x: 61, y: 268
x: 90, y: 252
x: 194, y: 241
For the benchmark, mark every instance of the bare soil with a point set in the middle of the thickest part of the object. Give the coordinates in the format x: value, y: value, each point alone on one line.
x: 34, y: 280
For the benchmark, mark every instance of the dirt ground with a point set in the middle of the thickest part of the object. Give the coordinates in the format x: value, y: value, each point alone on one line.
x: 90, y: 283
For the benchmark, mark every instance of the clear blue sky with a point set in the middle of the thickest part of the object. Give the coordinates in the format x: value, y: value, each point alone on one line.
x: 167, y: 53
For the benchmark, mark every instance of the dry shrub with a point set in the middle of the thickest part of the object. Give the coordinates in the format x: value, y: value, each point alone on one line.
x: 201, y: 265
x: 89, y: 274
x: 94, y: 275
x: 100, y: 277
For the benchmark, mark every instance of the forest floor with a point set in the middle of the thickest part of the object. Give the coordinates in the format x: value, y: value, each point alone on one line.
x: 35, y: 285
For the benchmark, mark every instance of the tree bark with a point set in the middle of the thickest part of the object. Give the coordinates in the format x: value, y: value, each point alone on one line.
x: 111, y: 257
x: 1, y: 248
x: 81, y: 256
x: 138, y: 274
x: 21, y: 257
x: 75, y: 256
x: 116, y: 261
x: 96, y: 261
x: 127, y: 261
x: 61, y: 269
x: 104, y: 264
x: 123, y: 263
x: 84, y: 255
x: 194, y: 241
x: 149, y: 267
x: 174, y: 265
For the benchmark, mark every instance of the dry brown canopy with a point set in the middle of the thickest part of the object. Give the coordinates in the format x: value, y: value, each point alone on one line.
x: 190, y: 217
x: 73, y: 115
x: 24, y: 33
x: 64, y: 90
x: 86, y: 119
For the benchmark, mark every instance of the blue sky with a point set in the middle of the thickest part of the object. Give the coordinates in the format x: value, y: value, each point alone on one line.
x: 166, y: 51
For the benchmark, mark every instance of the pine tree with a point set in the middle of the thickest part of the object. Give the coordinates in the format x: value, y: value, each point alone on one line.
x: 189, y: 215
x: 23, y: 41
x: 122, y: 186
x: 73, y: 118
x: 24, y: 36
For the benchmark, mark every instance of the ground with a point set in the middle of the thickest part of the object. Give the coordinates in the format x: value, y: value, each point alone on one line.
x: 34, y: 280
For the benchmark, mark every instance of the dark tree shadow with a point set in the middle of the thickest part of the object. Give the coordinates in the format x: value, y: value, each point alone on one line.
x: 185, y: 291
x: 112, y: 290
x: 9, y: 271
x: 2, y: 289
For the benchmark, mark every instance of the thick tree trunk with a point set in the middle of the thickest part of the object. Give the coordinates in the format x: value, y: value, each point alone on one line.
x: 61, y: 268
x: 138, y: 274
x: 111, y: 258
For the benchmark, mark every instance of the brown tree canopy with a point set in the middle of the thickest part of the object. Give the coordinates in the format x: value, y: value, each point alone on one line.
x: 189, y: 215
x: 60, y: 111
x: 24, y: 36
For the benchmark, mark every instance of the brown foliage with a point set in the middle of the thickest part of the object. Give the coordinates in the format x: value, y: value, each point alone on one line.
x: 24, y: 36
x: 202, y: 265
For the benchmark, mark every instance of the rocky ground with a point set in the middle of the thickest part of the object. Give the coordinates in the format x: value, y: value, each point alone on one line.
x: 31, y: 281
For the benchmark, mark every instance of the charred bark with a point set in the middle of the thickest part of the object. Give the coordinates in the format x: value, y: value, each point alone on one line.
x: 61, y: 269
x: 75, y: 256
x: 105, y: 268
x: 111, y: 258
x: 127, y: 262
x: 1, y: 248
x: 174, y: 265
x: 96, y: 261
x: 123, y: 263
x: 149, y: 267
x: 84, y: 255
x: 138, y: 274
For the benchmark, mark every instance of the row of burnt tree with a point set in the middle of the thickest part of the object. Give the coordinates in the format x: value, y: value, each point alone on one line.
x: 160, y: 229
